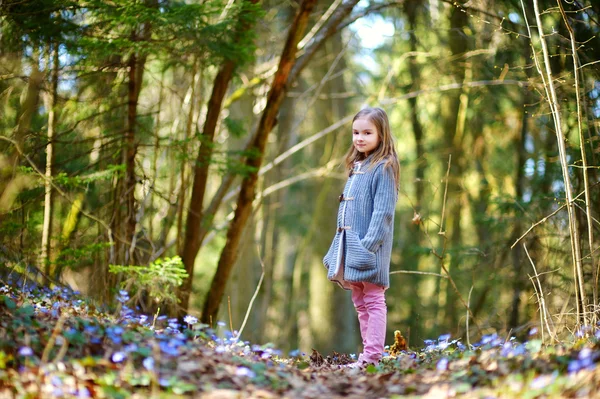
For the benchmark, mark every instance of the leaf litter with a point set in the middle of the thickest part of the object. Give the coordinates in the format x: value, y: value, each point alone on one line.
x: 56, y: 344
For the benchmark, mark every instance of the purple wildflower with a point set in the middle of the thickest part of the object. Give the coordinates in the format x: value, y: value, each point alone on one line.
x: 118, y: 357
x: 533, y: 331
x: 148, y: 363
x: 245, y: 372
x: 542, y: 381
x: 25, y: 351
x: 442, y: 364
x: 444, y: 337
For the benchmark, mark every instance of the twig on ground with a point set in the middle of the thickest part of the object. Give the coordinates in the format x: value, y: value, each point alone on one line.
x: 541, y: 300
x: 262, y: 276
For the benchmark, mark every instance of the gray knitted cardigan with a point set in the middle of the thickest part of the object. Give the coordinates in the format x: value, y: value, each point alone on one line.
x: 362, y: 246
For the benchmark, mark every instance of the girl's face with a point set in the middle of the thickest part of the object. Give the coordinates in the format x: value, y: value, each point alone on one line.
x: 365, y: 136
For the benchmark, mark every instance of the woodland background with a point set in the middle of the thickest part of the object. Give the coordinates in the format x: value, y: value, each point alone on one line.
x: 134, y: 131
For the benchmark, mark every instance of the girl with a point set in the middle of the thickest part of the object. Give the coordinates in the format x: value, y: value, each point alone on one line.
x: 359, y: 257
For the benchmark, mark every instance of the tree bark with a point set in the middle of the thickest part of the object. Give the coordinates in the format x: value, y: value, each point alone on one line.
x: 454, y: 113
x: 136, y: 67
x: 248, y: 189
x: 414, y: 322
x: 48, y: 197
x: 517, y: 252
x: 187, y: 133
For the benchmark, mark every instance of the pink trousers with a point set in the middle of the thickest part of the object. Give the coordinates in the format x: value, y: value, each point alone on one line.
x: 369, y: 301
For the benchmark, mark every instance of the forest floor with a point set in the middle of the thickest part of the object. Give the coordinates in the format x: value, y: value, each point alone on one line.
x: 56, y: 344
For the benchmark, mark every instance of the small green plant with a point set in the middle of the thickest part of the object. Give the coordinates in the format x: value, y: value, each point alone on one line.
x: 155, y: 282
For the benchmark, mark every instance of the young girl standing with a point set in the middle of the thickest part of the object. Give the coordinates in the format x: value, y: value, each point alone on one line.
x: 359, y: 257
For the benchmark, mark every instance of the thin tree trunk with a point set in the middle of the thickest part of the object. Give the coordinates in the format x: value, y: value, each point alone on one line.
x: 248, y: 189
x: 584, y: 163
x: 454, y: 113
x: 573, y: 230
x: 156, y: 151
x: 48, y: 197
x: 517, y: 252
x: 130, y: 151
x: 414, y: 323
x: 184, y: 161
x: 192, y: 241
x: 136, y: 66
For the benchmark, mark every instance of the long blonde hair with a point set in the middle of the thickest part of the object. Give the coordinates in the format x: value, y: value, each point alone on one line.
x: 386, y: 149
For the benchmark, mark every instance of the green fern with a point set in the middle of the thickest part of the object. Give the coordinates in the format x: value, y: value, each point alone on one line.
x: 158, y: 280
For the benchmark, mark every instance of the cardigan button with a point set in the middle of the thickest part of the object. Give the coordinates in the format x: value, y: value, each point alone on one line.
x: 341, y: 197
x: 340, y: 229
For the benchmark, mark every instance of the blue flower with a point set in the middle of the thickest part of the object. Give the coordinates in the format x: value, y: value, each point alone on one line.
x: 444, y: 337
x: 83, y: 393
x: 190, y: 320
x: 506, y: 349
x: 174, y: 324
x: 169, y: 348
x: 585, y: 360
x: 221, y: 324
x: 574, y: 366
x: 148, y: 363
x: 163, y: 382
x: 533, y: 331
x: 245, y: 372
x: 542, y: 381
x: 118, y: 357
x: 130, y: 348
x: 123, y: 296
x: 116, y: 330
x: 443, y: 345
x: 25, y: 351
x: 442, y: 364
x: 294, y: 353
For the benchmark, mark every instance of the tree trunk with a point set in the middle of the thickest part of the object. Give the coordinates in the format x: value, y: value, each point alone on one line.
x: 130, y: 151
x: 48, y: 197
x: 414, y: 323
x: 136, y: 65
x: 517, y: 252
x: 247, y: 192
x: 454, y: 123
x: 184, y: 161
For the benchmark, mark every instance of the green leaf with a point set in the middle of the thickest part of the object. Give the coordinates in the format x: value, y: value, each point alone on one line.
x: 26, y: 310
x: 9, y: 303
x: 534, y: 346
x: 302, y: 365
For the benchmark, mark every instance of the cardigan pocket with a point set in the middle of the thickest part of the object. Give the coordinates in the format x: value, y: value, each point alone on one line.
x: 327, y: 261
x: 357, y: 256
